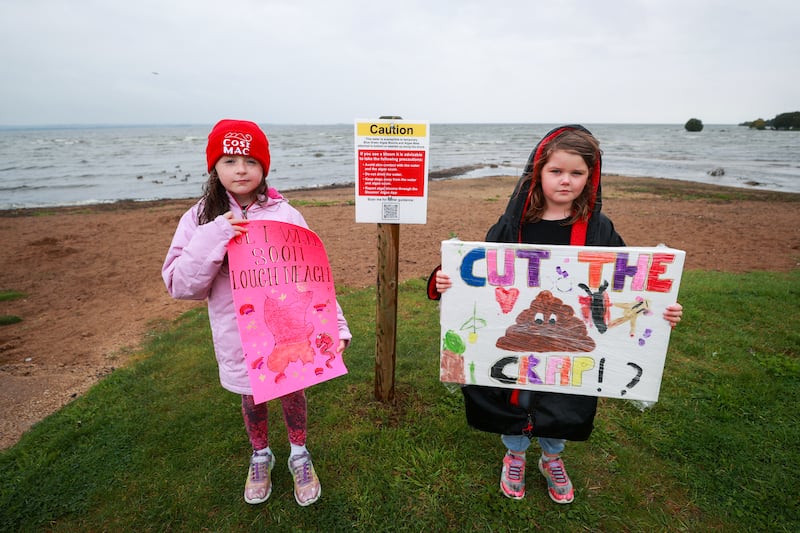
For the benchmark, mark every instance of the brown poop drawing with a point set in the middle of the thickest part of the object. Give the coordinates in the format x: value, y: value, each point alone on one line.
x: 548, y: 325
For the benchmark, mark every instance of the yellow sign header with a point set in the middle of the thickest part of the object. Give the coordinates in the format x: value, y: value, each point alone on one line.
x: 390, y: 129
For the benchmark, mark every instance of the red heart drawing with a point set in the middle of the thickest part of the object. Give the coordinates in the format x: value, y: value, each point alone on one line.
x: 506, y: 298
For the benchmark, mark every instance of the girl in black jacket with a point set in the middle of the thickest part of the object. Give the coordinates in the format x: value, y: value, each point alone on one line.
x: 556, y: 201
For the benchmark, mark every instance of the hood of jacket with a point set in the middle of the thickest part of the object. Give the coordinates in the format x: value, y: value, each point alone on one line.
x: 521, y: 198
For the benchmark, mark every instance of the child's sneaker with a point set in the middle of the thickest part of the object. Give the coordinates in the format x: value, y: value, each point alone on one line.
x: 259, y: 484
x: 559, y: 487
x: 512, y: 477
x: 307, y: 489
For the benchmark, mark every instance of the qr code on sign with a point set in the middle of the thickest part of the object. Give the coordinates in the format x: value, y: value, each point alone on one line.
x: 391, y: 211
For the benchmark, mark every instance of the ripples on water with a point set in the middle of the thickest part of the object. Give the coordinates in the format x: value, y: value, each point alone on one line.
x: 81, y: 165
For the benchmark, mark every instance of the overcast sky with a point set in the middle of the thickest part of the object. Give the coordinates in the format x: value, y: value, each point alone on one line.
x: 333, y: 61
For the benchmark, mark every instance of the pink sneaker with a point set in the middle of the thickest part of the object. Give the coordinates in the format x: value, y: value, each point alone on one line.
x: 259, y: 484
x: 307, y: 489
x: 512, y: 477
x: 559, y: 487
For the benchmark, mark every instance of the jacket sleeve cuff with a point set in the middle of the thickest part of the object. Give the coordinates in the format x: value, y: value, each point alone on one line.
x: 433, y: 294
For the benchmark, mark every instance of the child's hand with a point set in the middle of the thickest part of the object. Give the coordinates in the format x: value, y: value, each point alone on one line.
x: 342, y: 345
x: 238, y: 224
x: 443, y: 282
x: 673, y: 313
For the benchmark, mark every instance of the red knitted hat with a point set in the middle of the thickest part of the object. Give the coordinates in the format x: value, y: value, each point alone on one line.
x: 237, y: 137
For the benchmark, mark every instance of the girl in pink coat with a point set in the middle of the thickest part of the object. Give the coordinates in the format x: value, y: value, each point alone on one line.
x: 196, y: 269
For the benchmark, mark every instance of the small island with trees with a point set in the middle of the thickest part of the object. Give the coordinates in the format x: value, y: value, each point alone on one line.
x: 784, y: 121
x: 693, y: 124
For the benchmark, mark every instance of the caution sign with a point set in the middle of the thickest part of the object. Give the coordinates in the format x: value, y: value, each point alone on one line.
x: 391, y: 171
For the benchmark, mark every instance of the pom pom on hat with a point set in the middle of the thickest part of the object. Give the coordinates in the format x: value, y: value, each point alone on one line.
x: 237, y: 137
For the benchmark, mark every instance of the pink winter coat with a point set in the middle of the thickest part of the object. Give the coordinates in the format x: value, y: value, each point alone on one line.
x: 196, y: 269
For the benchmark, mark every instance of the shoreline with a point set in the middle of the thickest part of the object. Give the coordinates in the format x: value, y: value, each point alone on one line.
x: 445, y: 175
x: 93, y: 290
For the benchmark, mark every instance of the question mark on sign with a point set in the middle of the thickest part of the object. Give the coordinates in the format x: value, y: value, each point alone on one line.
x: 632, y: 383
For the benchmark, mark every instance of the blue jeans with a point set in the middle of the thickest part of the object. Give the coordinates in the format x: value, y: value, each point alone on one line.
x: 520, y: 443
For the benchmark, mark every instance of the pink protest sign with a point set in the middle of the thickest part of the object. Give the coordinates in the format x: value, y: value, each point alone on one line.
x: 286, y: 308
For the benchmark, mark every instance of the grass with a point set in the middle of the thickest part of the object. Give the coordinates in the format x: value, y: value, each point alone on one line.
x: 8, y: 296
x: 159, y: 446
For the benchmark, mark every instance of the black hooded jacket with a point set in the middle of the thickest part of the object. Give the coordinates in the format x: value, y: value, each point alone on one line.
x: 534, y: 413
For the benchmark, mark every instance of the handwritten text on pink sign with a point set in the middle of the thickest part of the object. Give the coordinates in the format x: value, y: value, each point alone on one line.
x: 286, y: 309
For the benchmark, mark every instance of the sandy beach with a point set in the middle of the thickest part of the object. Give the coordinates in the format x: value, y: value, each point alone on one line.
x: 93, y: 287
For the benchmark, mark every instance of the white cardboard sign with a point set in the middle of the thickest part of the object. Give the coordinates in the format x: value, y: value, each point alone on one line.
x: 570, y: 319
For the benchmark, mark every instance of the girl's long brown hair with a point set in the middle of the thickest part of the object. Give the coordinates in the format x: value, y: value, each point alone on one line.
x: 215, y: 202
x: 576, y: 142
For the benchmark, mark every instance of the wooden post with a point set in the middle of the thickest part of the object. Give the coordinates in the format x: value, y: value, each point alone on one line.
x: 386, y: 306
x: 386, y: 311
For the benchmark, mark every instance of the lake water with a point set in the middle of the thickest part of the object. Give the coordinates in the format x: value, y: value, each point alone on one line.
x: 42, y: 167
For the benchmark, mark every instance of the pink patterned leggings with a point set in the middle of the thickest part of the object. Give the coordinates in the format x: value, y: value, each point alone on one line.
x: 256, y: 419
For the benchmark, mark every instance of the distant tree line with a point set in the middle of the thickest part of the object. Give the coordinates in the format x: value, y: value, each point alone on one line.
x: 784, y: 121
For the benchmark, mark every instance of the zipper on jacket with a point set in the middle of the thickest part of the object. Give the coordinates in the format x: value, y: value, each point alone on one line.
x: 244, y: 210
